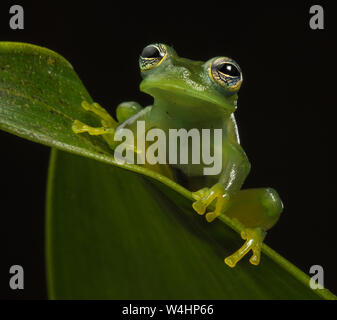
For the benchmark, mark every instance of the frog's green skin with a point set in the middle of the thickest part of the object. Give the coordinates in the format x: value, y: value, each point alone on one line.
x: 193, y: 94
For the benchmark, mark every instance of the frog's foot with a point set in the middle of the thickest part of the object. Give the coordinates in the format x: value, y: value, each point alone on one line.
x: 206, y: 196
x: 80, y: 127
x: 108, y: 123
x: 106, y: 120
x: 254, y: 238
x: 200, y: 193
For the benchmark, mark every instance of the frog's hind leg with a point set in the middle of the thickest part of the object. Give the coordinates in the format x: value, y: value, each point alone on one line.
x: 254, y: 238
x: 258, y: 210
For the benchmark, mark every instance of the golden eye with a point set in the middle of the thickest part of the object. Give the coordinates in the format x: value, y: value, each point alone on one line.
x: 151, y: 56
x: 227, y: 73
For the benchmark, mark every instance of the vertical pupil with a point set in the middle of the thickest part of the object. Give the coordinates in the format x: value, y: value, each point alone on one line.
x: 150, y: 52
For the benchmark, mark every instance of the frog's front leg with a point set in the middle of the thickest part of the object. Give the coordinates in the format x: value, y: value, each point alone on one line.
x: 106, y: 119
x: 206, y: 196
x: 235, y: 170
x: 109, y: 124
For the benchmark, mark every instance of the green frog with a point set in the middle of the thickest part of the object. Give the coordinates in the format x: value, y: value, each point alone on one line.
x: 196, y: 95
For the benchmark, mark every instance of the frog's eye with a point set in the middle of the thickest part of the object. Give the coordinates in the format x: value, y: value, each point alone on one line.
x: 227, y: 73
x: 152, y: 56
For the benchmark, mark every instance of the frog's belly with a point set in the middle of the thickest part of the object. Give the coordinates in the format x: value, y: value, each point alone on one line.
x: 191, y: 173
x: 192, y: 176
x: 189, y: 170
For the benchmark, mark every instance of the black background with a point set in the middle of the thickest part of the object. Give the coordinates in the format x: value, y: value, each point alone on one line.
x: 286, y: 110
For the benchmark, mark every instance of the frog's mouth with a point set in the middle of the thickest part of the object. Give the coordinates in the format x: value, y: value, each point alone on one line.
x: 196, y: 101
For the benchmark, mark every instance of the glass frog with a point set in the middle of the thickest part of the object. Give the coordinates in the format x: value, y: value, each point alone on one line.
x: 198, y: 95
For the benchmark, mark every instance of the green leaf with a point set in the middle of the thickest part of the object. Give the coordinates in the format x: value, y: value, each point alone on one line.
x: 40, y: 97
x: 112, y: 233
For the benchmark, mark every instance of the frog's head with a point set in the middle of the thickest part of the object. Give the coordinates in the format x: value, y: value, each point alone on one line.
x: 193, y: 87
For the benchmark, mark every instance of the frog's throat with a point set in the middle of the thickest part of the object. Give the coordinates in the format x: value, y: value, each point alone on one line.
x: 181, y: 100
